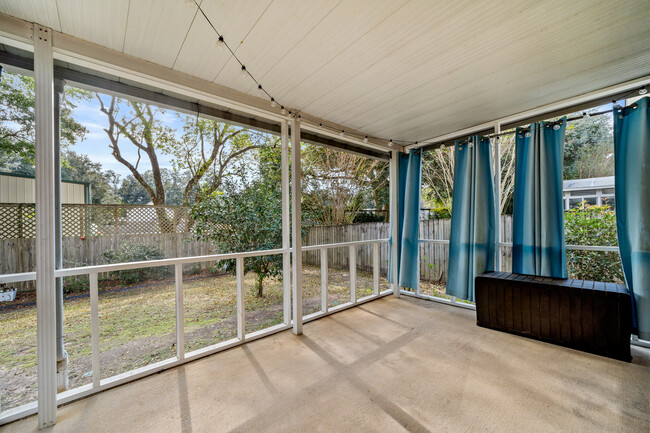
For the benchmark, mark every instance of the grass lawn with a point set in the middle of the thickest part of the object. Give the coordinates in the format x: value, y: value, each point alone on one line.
x: 138, y: 326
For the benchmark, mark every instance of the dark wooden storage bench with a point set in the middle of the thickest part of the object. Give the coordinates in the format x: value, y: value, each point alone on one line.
x: 585, y: 315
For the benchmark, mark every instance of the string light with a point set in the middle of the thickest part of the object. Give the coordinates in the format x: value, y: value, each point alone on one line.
x: 390, y: 143
x: 643, y: 91
x: 261, y: 91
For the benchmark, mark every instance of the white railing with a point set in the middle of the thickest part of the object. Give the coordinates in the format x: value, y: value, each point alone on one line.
x: 99, y: 384
x: 352, y: 245
x: 455, y: 302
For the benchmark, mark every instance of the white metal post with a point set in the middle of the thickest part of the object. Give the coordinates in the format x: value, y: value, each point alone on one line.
x: 296, y: 229
x: 394, y: 216
x: 180, y: 312
x: 324, y: 265
x: 94, y: 328
x: 286, y: 223
x: 353, y: 273
x: 497, y: 195
x: 375, y: 268
x: 45, y: 225
x: 241, y: 309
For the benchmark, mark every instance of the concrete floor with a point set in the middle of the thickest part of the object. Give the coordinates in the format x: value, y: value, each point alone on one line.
x: 387, y: 366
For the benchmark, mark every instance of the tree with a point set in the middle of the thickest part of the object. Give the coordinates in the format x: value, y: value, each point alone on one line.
x: 17, y: 126
x: 80, y: 168
x: 132, y: 192
x: 438, y: 177
x: 206, y: 149
x: 589, y: 148
x: 337, y: 185
x: 246, y: 216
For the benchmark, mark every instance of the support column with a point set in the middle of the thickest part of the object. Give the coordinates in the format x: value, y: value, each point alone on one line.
x: 45, y: 225
x: 497, y: 196
x: 61, y: 354
x: 394, y: 216
x: 296, y: 229
x: 286, y: 223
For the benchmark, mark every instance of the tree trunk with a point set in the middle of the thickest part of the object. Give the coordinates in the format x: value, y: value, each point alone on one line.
x: 164, y: 221
x: 259, y: 286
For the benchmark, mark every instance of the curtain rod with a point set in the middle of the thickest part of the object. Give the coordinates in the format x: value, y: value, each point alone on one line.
x: 452, y: 141
x: 570, y: 119
x: 621, y: 95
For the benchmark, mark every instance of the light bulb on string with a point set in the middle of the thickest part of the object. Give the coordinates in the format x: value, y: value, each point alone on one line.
x: 243, y: 69
x: 365, y: 139
x: 643, y: 91
x: 259, y: 90
x: 390, y: 143
x: 273, y: 104
x: 282, y: 110
x: 342, y: 133
x: 220, y: 43
x: 442, y: 147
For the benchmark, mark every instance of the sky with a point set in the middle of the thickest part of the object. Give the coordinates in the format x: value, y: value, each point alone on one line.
x: 96, y: 142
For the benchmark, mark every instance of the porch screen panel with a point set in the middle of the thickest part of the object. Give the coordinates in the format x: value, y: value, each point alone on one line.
x: 472, y: 240
x: 632, y: 175
x: 538, y: 218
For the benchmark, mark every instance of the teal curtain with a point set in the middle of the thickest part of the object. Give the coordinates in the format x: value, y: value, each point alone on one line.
x: 410, y: 180
x: 473, y: 215
x: 632, y: 175
x: 538, y: 215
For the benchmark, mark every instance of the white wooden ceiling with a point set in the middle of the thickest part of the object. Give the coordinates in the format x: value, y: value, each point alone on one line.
x: 407, y: 70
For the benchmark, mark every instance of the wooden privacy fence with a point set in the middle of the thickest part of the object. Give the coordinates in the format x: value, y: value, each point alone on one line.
x: 18, y: 255
x: 434, y: 257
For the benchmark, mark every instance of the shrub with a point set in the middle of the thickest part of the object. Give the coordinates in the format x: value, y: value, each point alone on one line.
x: 369, y: 217
x: 592, y: 225
x: 130, y: 252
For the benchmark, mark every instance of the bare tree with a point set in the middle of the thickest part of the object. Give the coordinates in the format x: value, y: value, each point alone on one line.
x: 507, y: 171
x: 336, y: 184
x: 438, y: 174
x: 206, y: 149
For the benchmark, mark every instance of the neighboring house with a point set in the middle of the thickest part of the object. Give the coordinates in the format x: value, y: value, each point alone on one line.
x: 593, y: 191
x: 21, y: 188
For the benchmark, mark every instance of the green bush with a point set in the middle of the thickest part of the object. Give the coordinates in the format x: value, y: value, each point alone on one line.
x: 369, y: 217
x: 439, y: 211
x: 592, y: 225
x: 130, y: 252
x: 78, y: 284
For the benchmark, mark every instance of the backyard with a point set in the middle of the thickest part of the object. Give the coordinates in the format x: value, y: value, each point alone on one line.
x: 138, y: 324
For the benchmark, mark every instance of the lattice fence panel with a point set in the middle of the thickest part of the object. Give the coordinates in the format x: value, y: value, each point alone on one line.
x: 17, y: 221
